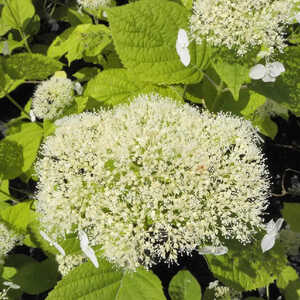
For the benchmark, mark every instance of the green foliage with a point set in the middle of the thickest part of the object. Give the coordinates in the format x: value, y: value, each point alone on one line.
x: 4, y: 193
x: 247, y: 267
x: 25, y: 145
x: 184, y: 286
x: 17, y: 14
x: 7, y: 84
x: 107, y: 283
x: 114, y: 86
x: 18, y: 216
x: 287, y: 275
x: 292, y: 291
x: 34, y: 277
x: 145, y: 40
x: 82, y: 41
x: 290, y: 213
x: 31, y: 66
x: 234, y: 75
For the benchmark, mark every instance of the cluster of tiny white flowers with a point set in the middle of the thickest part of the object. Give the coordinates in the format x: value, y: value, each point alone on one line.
x: 52, y: 97
x: 94, y: 4
x: 67, y: 263
x: 8, y: 239
x: 152, y: 179
x: 223, y: 292
x: 241, y: 24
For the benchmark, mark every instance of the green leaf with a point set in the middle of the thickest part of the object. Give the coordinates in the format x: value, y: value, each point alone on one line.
x: 247, y: 268
x: 72, y: 16
x: 290, y: 213
x: 17, y: 13
x: 18, y: 216
x: 107, y: 283
x: 85, y: 74
x: 34, y: 277
x: 86, y: 40
x: 31, y: 66
x: 11, y: 159
x: 287, y: 275
x: 187, y: 3
x: 4, y: 193
x: 7, y: 84
x: 184, y: 286
x: 292, y: 291
x: 29, y: 138
x: 145, y: 39
x: 114, y: 86
x: 233, y: 74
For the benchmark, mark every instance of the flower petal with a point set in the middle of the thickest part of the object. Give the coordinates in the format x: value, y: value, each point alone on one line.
x: 275, y: 68
x: 182, y: 39
x: 257, y: 72
x: 268, y: 242
x: 185, y: 57
x: 182, y: 44
x: 278, y: 224
x: 86, y: 249
x: 268, y: 78
x: 52, y: 243
x: 32, y: 116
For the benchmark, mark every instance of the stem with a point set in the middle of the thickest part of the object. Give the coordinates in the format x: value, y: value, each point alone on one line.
x: 268, y: 292
x: 211, y: 81
x: 24, y: 38
x: 10, y: 196
x: 14, y: 102
x: 219, y: 93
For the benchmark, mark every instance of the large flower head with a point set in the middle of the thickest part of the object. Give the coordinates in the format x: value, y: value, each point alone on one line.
x: 52, y: 97
x: 152, y: 179
x: 241, y: 24
x: 94, y: 4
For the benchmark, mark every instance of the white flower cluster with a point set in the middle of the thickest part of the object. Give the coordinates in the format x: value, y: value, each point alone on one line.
x: 52, y: 97
x: 241, y: 24
x: 8, y: 239
x: 223, y: 292
x: 152, y: 179
x: 94, y: 4
x: 67, y: 263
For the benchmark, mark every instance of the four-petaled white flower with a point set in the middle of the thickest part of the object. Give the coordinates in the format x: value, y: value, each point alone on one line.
x: 182, y: 44
x: 272, y: 228
x: 267, y: 73
x: 53, y: 243
x: 11, y: 285
x: 87, y: 250
x: 213, y: 250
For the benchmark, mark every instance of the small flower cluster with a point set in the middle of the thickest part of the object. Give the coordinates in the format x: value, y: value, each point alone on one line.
x: 8, y: 239
x: 94, y: 4
x: 67, y: 263
x: 223, y: 292
x: 152, y: 179
x: 241, y: 25
x: 52, y: 97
